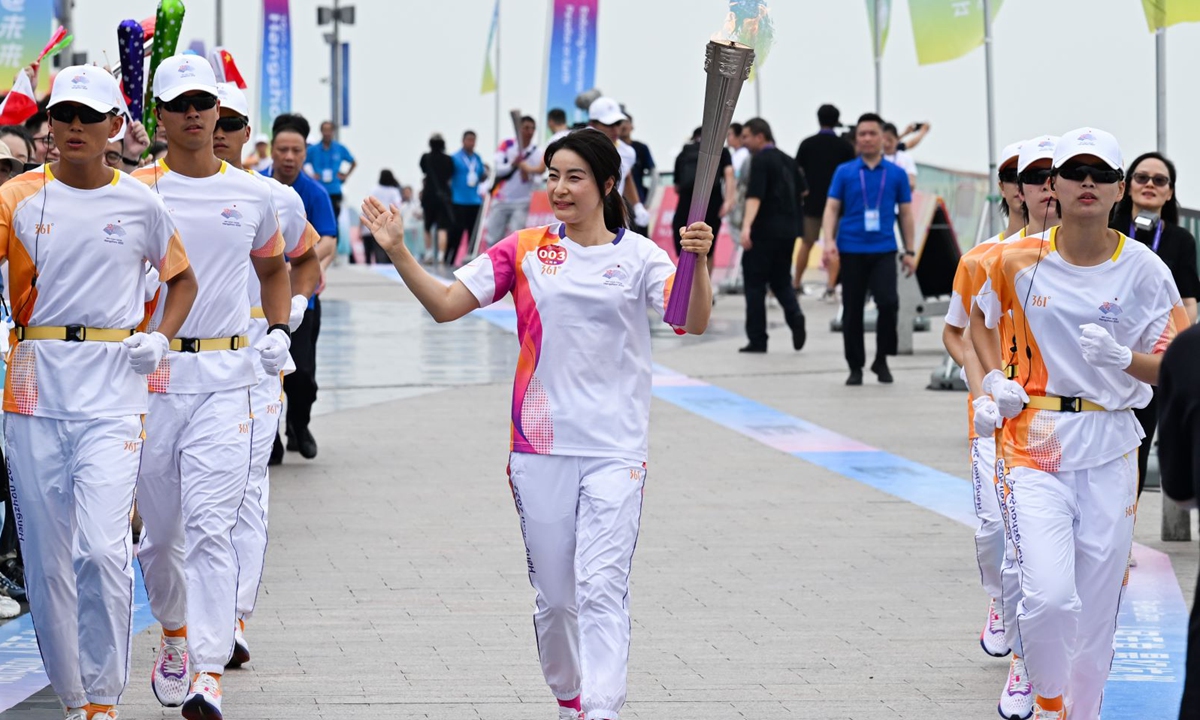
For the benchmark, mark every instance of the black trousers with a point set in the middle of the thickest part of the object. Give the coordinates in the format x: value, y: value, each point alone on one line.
x: 768, y: 264
x: 1148, y: 417
x: 862, y: 273
x: 464, y: 222
x: 301, y: 386
x: 1190, y: 708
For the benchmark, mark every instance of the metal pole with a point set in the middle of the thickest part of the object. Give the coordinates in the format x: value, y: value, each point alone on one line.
x: 220, y: 24
x: 496, y: 99
x: 758, y: 92
x: 1160, y: 61
x: 335, y: 72
x: 991, y: 102
x: 878, y: 37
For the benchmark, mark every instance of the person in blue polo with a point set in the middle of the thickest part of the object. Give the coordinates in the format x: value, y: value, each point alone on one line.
x: 327, y: 158
x: 867, y: 197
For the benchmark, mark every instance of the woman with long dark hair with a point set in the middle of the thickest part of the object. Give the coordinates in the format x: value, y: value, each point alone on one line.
x: 581, y: 401
x: 387, y: 191
x: 1150, y: 193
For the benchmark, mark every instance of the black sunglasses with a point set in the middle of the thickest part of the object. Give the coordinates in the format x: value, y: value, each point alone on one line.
x: 67, y: 112
x: 1142, y: 178
x: 1100, y: 175
x: 231, y: 124
x: 183, y: 102
x: 1036, y: 177
x: 1009, y: 176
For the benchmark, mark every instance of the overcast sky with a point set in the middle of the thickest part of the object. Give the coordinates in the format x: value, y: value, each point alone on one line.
x: 417, y: 64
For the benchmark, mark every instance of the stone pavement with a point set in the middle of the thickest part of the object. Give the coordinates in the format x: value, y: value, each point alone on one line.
x: 763, y: 586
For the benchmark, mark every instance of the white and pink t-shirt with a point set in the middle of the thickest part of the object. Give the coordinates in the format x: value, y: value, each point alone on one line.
x: 583, y: 375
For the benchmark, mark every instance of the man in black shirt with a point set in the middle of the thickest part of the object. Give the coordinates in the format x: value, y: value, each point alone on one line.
x: 769, y: 232
x: 1179, y: 462
x: 818, y: 157
x: 719, y: 202
x: 643, y: 168
x: 435, y: 193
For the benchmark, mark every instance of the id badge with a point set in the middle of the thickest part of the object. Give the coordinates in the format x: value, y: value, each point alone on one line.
x: 472, y: 178
x: 871, y: 220
x: 327, y: 175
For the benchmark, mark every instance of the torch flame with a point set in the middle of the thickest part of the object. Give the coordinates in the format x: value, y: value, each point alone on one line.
x: 749, y: 23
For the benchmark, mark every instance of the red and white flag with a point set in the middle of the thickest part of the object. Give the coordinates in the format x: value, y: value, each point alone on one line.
x: 20, y: 104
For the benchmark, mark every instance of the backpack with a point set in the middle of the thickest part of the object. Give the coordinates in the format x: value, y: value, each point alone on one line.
x: 685, y: 166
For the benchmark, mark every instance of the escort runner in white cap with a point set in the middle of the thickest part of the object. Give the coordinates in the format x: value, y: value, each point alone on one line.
x: 195, y: 468
x: 605, y: 115
x: 76, y: 235
x: 250, y: 533
x: 1092, y: 314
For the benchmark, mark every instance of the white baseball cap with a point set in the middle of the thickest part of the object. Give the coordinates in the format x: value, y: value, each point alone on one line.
x: 1089, y: 141
x: 179, y: 74
x: 606, y: 111
x: 87, y: 85
x: 232, y: 98
x: 1009, y: 154
x: 1039, y: 148
x: 262, y: 138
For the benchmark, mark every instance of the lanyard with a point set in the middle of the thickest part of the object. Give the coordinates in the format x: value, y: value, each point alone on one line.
x: 471, y: 161
x: 862, y: 181
x: 1157, y: 234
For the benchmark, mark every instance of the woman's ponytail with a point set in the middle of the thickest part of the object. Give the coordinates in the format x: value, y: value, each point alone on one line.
x: 615, y: 215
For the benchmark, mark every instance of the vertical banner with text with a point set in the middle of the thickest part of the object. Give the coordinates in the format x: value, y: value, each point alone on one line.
x: 25, y: 26
x: 879, y: 11
x: 275, y: 62
x: 571, y: 56
x: 944, y: 30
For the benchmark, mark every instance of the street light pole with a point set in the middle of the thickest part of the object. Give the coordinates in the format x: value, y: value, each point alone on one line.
x: 991, y: 115
x: 219, y: 34
x: 335, y: 75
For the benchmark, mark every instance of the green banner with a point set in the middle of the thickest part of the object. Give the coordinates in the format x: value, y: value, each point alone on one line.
x: 947, y: 29
x: 1164, y: 13
x: 879, y: 11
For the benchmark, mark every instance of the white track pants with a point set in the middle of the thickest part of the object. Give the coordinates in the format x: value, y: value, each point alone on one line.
x: 72, y: 489
x: 250, y: 533
x: 994, y: 548
x: 580, y: 519
x: 1073, y: 532
x: 193, y: 481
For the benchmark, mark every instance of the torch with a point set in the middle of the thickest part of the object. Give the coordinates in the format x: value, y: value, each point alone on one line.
x: 727, y: 65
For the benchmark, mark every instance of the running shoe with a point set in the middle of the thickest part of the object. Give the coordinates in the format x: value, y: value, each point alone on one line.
x: 992, y: 638
x: 11, y: 577
x: 1016, y: 702
x: 77, y: 714
x: 1043, y: 714
x: 241, y: 650
x: 566, y: 713
x: 9, y: 608
x: 204, y: 702
x: 169, y: 679
x: 104, y: 715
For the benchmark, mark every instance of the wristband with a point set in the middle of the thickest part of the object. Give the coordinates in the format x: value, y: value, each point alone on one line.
x: 910, y: 253
x: 127, y: 161
x: 281, y: 326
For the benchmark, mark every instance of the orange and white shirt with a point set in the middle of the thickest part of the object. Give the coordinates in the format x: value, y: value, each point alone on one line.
x: 583, y: 374
x: 1132, y: 295
x: 87, y: 249
x: 299, y: 237
x: 962, y: 299
x: 223, y: 220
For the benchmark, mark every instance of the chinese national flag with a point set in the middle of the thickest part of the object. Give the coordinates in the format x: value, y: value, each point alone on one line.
x: 231, y: 72
x: 20, y: 104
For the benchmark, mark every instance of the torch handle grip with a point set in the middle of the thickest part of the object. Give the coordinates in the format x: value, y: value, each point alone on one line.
x: 677, y: 306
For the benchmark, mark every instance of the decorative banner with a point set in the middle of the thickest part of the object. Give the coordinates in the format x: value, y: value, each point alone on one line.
x: 131, y: 39
x: 571, y: 63
x: 344, y: 66
x: 881, y: 10
x: 275, y: 86
x: 1164, y: 13
x: 489, y: 74
x: 25, y: 26
x: 947, y: 29
x: 168, y: 21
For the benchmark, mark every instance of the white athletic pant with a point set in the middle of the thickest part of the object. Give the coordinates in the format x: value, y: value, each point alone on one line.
x: 505, y: 218
x: 72, y: 488
x: 993, y: 545
x: 1073, y: 532
x: 193, y: 481
x: 250, y: 532
x: 580, y: 518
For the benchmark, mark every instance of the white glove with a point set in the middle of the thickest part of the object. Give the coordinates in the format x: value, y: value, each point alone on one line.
x: 1010, y: 397
x: 145, y: 351
x: 1102, y: 350
x: 273, y: 350
x: 151, y: 283
x: 987, y: 416
x: 641, y: 216
x: 299, y: 306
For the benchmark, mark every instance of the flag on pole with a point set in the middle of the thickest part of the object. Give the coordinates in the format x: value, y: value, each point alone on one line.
x: 881, y: 11
x: 225, y: 68
x: 1164, y: 13
x: 947, y: 29
x: 20, y: 104
x: 489, y: 75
